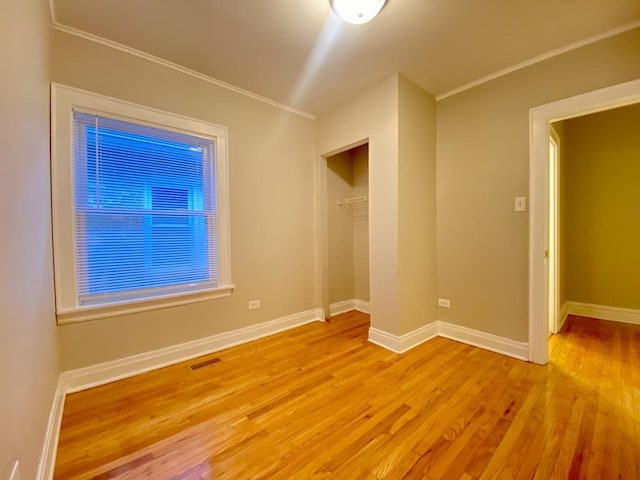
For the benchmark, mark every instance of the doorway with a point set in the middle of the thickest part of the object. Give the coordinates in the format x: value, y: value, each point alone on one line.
x: 347, y: 209
x: 540, y: 270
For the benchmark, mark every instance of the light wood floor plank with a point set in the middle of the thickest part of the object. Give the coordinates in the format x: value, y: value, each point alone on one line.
x: 319, y: 401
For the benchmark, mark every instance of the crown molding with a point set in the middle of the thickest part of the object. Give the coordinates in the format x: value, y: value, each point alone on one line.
x: 173, y: 66
x: 52, y: 12
x: 540, y: 58
x: 467, y: 86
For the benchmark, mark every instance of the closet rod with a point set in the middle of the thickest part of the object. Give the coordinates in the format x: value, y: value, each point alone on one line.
x: 350, y: 201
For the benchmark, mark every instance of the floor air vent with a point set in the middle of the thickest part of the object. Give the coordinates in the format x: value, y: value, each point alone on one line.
x: 204, y: 363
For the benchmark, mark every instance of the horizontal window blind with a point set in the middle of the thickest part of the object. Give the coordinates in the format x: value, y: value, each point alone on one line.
x: 145, y: 210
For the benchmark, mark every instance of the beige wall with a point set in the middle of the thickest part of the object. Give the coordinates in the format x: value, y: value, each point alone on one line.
x: 559, y: 129
x: 340, y: 225
x: 360, y: 215
x: 29, y: 364
x: 416, y: 205
x: 603, y: 208
x: 372, y: 115
x: 398, y: 119
x: 348, y: 225
x: 272, y: 196
x: 483, y: 163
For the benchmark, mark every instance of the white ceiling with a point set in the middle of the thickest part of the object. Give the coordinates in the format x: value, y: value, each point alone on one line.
x: 296, y: 52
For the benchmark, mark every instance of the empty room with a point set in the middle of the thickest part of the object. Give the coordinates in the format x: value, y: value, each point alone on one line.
x: 286, y: 239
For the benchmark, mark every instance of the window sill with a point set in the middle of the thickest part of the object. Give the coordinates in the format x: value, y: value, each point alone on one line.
x: 96, y: 312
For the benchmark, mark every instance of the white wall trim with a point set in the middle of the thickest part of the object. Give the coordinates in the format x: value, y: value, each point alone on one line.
x: 469, y: 336
x: 94, y: 375
x: 486, y: 341
x: 52, y: 12
x: 403, y: 343
x: 563, y: 314
x: 604, y: 312
x: 384, y: 339
x: 50, y: 446
x: 363, y: 306
x: 174, y: 66
x: 83, y: 378
x: 341, y: 307
x: 540, y: 58
x: 349, y: 305
x: 539, y: 118
x: 15, y: 471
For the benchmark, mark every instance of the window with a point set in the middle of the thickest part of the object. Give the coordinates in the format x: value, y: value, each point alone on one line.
x: 139, y: 207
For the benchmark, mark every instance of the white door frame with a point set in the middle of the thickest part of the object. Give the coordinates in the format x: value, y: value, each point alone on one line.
x: 322, y: 226
x: 553, y: 274
x: 539, y: 130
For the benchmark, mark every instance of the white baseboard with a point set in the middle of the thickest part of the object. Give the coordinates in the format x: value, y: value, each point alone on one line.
x: 604, y: 312
x: 347, y: 306
x: 50, y: 447
x: 564, y: 313
x: 88, y: 377
x: 363, y: 306
x: 15, y: 472
x: 403, y: 343
x: 487, y: 341
x: 341, y: 307
x: 83, y: 378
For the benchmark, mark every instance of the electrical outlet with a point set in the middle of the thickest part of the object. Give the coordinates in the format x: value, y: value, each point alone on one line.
x: 444, y: 302
x: 253, y: 304
x: 520, y: 204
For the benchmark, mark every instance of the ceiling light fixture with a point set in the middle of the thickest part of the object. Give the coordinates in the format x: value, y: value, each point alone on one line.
x: 357, y: 11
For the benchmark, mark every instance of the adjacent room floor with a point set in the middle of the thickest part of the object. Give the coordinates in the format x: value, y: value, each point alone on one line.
x: 320, y: 401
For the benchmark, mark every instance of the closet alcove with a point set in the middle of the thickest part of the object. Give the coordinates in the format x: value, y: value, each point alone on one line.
x: 348, y: 229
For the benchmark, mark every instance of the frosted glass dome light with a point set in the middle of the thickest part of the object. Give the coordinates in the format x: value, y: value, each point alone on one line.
x: 357, y: 11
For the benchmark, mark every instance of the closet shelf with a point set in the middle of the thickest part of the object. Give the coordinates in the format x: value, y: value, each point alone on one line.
x: 353, y: 201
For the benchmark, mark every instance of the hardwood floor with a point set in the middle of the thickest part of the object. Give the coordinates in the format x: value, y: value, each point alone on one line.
x: 320, y: 401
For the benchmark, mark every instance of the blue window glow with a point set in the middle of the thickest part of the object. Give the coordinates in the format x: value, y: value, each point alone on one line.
x: 145, y: 209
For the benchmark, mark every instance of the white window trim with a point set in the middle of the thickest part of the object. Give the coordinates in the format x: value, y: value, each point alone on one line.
x: 63, y: 100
